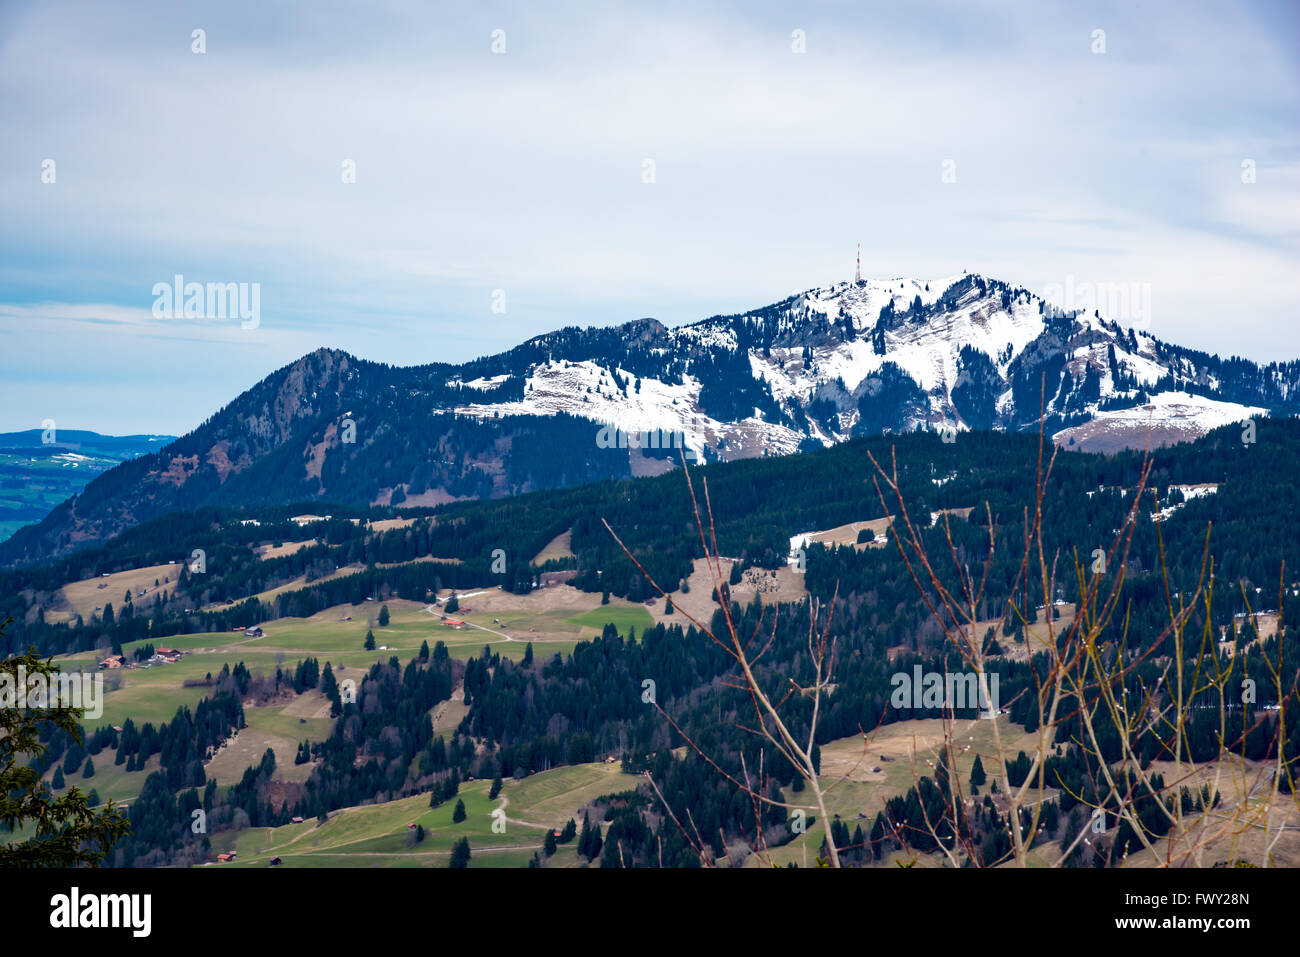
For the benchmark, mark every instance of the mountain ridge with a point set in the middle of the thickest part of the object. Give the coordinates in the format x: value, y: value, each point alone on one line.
x: 811, y: 370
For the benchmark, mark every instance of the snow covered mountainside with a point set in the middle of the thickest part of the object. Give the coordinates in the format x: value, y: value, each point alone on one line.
x: 580, y: 405
x: 961, y: 352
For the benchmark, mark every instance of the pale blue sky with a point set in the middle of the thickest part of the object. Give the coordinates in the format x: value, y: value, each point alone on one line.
x: 523, y: 171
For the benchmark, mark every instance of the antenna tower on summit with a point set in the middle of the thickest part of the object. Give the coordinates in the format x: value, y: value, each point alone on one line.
x: 857, y: 275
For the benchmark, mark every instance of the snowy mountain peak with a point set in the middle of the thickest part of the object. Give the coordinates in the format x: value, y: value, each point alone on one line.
x: 874, y: 355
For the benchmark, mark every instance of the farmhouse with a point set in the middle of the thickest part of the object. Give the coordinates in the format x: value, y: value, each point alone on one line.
x: 453, y: 623
x: 112, y: 661
x: 253, y: 631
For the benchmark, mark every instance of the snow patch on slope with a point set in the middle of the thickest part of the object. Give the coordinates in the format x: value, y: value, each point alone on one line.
x: 1169, y: 416
x: 591, y: 391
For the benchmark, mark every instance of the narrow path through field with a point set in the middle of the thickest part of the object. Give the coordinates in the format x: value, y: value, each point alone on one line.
x: 514, y: 820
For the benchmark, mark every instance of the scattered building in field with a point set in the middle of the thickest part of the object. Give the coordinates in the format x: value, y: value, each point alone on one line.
x: 112, y: 661
x: 253, y: 631
x: 453, y: 623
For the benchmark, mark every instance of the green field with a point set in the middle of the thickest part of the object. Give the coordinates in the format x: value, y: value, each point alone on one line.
x: 280, y: 726
x: 111, y: 781
x: 622, y: 618
x: 154, y: 693
x: 377, y: 835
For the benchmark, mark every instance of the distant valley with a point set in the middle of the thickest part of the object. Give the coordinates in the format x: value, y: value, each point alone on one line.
x: 39, y: 468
